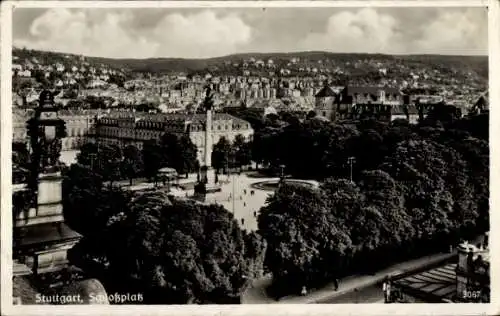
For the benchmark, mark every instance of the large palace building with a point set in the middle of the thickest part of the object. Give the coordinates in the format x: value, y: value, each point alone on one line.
x: 124, y: 127
x: 133, y: 128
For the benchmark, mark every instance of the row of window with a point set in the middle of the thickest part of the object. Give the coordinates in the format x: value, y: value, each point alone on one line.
x: 368, y: 96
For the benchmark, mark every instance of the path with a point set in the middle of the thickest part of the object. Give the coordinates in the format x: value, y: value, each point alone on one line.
x: 257, y: 294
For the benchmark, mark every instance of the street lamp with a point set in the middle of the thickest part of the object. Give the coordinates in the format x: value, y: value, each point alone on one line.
x: 282, y: 174
x: 45, y: 131
x: 234, y: 182
x: 351, y: 161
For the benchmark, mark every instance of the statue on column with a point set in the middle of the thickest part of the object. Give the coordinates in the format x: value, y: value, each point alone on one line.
x: 208, y: 102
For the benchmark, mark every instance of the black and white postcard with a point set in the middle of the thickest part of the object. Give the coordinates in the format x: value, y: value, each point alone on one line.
x: 238, y: 157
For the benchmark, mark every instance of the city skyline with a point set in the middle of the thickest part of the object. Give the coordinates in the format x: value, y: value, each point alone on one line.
x: 205, y: 33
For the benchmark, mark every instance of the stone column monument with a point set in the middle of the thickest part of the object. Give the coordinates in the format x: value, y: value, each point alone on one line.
x: 208, y: 139
x: 207, y: 173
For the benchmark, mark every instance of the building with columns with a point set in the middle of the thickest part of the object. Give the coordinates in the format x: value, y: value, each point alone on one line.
x: 124, y: 128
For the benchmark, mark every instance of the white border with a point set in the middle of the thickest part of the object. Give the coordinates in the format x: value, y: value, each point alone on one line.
x: 277, y: 309
x: 248, y: 4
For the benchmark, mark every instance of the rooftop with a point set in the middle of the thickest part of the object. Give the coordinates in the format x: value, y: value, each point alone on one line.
x: 46, y: 233
x: 439, y: 283
x: 370, y: 90
x: 326, y: 92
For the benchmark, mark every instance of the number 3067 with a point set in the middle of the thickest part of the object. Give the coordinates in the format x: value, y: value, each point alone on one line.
x: 471, y: 294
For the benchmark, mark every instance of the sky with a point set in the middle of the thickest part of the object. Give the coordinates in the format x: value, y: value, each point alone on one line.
x: 204, y: 33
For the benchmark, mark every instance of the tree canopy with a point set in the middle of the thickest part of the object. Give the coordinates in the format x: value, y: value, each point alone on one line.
x: 174, y: 251
x: 417, y: 189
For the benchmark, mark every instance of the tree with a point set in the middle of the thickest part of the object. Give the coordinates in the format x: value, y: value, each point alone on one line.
x: 20, y: 154
x: 132, y: 164
x: 302, y: 237
x: 21, y: 87
x: 241, y: 150
x: 221, y: 154
x: 170, y: 149
x: 187, y: 158
x: 20, y: 162
x: 420, y: 190
x: 174, y: 251
x: 152, y: 157
x: 179, y: 153
x: 103, y: 159
x: 87, y: 205
x: 88, y: 155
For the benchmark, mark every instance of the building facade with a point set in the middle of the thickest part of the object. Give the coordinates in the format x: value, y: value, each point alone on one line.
x: 128, y: 128
x: 347, y: 103
x: 326, y: 103
x: 79, y: 124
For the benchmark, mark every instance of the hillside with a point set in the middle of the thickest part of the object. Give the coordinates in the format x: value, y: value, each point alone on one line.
x: 477, y: 64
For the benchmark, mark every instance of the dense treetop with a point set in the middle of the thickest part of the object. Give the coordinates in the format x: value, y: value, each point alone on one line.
x: 415, y: 190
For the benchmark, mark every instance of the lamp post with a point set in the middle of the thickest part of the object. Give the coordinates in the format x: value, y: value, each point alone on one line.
x: 282, y: 174
x: 45, y: 131
x: 351, y: 161
x: 234, y: 183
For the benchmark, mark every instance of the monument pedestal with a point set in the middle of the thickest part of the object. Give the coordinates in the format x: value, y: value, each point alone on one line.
x: 49, y: 198
x: 207, y: 176
x: 41, y: 237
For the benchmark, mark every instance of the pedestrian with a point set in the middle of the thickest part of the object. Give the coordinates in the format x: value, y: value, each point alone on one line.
x: 254, y: 214
x: 242, y: 221
x: 304, y: 291
x: 244, y: 204
x: 252, y: 192
x: 336, y: 284
x: 384, y: 289
x: 245, y: 191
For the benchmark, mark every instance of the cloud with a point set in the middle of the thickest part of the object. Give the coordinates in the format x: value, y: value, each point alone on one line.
x: 77, y: 32
x: 455, y: 32
x: 202, y: 35
x: 111, y: 34
x: 363, y: 31
x: 372, y: 31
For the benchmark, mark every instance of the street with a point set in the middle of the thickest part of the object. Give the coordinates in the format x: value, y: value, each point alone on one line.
x: 370, y: 294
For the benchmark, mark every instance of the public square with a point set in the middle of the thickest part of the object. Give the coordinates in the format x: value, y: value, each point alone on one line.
x: 245, y: 205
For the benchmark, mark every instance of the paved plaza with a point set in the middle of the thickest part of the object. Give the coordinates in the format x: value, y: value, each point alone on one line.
x: 246, y: 204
